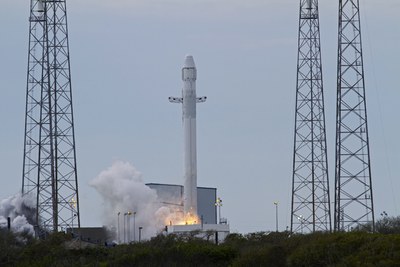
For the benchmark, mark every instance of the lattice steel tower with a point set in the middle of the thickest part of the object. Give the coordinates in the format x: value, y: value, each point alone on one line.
x: 310, y: 210
x: 49, y: 165
x: 353, y: 187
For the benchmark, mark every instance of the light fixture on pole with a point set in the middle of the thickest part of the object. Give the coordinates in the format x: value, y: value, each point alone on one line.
x: 129, y: 225
x: 218, y: 203
x: 72, y: 204
x: 301, y: 219
x: 276, y: 215
x: 118, y: 231
x: 140, y: 233
x: 125, y: 214
x: 134, y: 227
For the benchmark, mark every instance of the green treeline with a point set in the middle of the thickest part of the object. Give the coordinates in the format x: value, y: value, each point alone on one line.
x: 257, y: 249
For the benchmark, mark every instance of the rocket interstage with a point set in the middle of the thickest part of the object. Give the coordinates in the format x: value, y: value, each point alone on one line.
x: 189, y: 100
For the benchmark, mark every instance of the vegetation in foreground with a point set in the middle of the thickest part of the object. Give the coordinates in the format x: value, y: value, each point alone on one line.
x: 258, y: 249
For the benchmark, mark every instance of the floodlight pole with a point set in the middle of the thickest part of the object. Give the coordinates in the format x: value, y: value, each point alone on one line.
x: 218, y: 203
x: 276, y: 215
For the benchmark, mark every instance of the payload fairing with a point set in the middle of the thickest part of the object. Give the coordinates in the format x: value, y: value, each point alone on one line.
x: 189, y: 100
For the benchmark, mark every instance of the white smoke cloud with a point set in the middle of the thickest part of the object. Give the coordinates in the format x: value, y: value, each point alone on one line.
x: 123, y: 190
x: 20, y: 209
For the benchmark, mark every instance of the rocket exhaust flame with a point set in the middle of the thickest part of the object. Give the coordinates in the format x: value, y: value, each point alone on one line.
x: 182, y: 219
x: 191, y: 218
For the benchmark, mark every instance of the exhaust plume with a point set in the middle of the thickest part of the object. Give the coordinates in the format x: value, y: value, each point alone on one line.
x: 21, y: 210
x: 123, y: 190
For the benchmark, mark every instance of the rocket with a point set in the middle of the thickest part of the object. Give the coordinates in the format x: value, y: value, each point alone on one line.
x: 189, y: 100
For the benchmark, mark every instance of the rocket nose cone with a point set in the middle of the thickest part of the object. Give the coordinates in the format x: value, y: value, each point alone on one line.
x: 189, y: 62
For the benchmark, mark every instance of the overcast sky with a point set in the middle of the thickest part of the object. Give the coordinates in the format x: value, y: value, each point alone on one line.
x: 126, y: 59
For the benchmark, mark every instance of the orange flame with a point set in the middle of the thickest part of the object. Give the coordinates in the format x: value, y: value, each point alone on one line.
x: 191, y: 219
x: 180, y: 219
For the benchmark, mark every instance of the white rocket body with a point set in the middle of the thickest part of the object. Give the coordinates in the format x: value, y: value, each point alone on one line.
x: 189, y: 100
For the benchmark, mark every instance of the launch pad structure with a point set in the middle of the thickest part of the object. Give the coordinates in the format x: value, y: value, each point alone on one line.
x: 49, y: 162
x: 211, y: 232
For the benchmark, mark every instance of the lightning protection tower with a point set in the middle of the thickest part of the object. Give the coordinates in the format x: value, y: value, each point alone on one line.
x: 353, y: 187
x: 310, y: 209
x: 49, y: 164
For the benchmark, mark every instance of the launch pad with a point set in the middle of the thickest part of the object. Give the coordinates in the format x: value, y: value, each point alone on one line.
x: 217, y: 232
x: 205, y: 226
